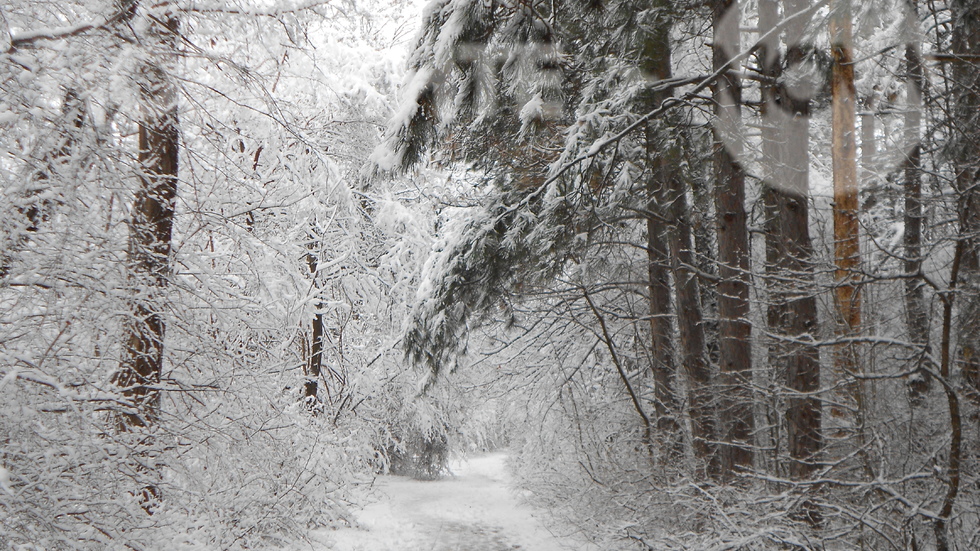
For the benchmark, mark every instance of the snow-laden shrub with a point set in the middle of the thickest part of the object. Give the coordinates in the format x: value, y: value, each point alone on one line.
x: 420, y: 456
x: 232, y: 462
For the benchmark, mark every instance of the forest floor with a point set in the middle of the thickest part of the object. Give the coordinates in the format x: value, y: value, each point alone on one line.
x: 474, y: 509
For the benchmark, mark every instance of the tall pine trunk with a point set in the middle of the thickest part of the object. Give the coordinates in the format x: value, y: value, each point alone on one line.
x: 847, y: 252
x: 656, y: 63
x: 770, y: 62
x: 965, y: 272
x: 661, y: 330
x: 690, y: 325
x: 669, y: 217
x: 799, y: 319
x: 734, y: 328
x: 869, y: 144
x: 792, y: 313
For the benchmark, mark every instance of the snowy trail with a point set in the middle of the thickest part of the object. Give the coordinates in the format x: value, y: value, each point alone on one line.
x: 475, y: 510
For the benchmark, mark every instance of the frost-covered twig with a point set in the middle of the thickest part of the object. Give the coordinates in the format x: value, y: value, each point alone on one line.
x: 27, y: 38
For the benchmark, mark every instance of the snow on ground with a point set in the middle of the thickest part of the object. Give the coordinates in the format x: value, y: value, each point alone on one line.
x: 474, y: 510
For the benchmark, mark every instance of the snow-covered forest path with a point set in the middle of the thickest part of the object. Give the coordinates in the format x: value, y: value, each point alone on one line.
x: 474, y: 510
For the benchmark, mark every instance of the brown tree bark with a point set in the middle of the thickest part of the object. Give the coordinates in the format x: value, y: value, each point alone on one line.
x: 150, y: 233
x: 792, y: 312
x: 668, y: 203
x: 799, y: 322
x: 734, y: 328
x: 655, y: 63
x: 965, y: 273
x: 847, y: 251
x: 661, y: 329
x: 150, y: 230
x: 955, y: 454
x: 690, y: 326
x: 965, y: 131
x: 917, y: 315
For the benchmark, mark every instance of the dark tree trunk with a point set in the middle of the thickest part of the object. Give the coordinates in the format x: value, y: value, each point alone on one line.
x: 315, y: 362
x: 965, y: 273
x: 705, y: 248
x: 690, y: 326
x: 773, y: 173
x: 966, y: 160
x: 869, y: 144
x: 803, y: 415
x: 735, y: 330
x: 669, y: 202
x: 661, y: 329
x: 772, y: 155
x: 792, y: 314
x: 655, y: 63
x: 150, y: 232
x: 917, y: 316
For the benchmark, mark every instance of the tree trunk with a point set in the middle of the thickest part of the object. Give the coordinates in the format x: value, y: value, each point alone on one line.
x: 803, y: 416
x: 655, y: 63
x: 965, y: 275
x: 150, y: 230
x: 966, y: 161
x: 705, y: 247
x: 315, y: 362
x: 917, y: 315
x: 690, y: 326
x: 869, y: 144
x: 661, y: 330
x: 669, y: 201
x: 792, y: 313
x: 773, y: 172
x: 735, y: 330
x: 847, y: 252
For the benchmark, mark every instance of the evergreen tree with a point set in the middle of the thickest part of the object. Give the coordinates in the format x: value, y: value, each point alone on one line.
x: 497, y: 85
